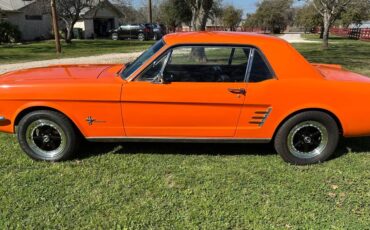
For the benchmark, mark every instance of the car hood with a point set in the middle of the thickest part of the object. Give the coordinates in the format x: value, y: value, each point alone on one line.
x: 55, y: 73
x: 337, y: 73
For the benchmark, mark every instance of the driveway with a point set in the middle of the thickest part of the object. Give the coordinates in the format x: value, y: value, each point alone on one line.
x: 101, y: 59
x: 295, y: 38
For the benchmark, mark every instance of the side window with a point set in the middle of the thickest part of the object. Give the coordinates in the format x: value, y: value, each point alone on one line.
x: 207, y: 64
x: 241, y: 56
x: 260, y: 70
x: 153, y: 70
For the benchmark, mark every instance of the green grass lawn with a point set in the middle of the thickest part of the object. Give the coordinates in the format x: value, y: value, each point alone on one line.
x: 352, y: 54
x: 185, y: 186
x: 46, y: 49
x: 191, y: 186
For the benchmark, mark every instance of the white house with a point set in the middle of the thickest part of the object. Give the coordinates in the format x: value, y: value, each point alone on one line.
x: 363, y: 25
x: 97, y: 21
x: 30, y: 16
x: 34, y: 20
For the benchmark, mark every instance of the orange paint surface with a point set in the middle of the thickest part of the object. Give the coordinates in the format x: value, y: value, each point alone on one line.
x: 182, y: 109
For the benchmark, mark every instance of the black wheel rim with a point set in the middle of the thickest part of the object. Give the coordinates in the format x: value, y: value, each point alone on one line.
x: 46, y: 138
x: 307, y: 139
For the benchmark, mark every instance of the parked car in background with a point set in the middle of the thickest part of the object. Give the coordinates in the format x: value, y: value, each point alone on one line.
x: 141, y: 32
x: 159, y: 30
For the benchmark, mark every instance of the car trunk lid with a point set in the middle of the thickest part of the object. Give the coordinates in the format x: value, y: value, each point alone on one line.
x: 338, y: 73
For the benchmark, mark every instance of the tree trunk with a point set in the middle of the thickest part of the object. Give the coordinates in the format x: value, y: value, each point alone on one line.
x: 69, y: 29
x: 326, y: 31
x: 194, y: 23
x: 199, y: 23
x: 198, y: 54
x: 69, y: 34
x: 321, y: 32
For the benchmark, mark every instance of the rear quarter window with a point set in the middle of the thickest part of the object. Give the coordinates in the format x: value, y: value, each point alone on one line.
x: 260, y: 70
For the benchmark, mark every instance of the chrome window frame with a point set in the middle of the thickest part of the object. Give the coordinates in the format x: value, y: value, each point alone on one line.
x: 252, y: 48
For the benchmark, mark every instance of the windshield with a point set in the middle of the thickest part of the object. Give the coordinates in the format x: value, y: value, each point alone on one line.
x: 130, y: 68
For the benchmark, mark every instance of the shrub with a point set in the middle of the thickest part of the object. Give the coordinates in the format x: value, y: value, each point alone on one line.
x: 9, y: 33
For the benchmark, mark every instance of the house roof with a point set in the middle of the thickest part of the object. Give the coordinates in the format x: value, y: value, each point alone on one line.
x: 14, y: 5
x: 98, y: 4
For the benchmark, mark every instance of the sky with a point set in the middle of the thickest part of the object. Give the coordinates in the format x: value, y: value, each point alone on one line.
x: 249, y: 6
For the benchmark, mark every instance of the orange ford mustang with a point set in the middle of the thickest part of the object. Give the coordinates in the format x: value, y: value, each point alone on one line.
x: 190, y: 87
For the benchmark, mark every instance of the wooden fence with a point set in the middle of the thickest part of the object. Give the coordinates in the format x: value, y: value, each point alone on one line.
x: 221, y: 28
x: 355, y: 33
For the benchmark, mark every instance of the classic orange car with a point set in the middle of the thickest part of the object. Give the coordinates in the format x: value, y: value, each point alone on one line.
x: 190, y: 87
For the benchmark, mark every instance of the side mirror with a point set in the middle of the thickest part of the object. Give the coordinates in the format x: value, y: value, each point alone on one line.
x: 160, y: 79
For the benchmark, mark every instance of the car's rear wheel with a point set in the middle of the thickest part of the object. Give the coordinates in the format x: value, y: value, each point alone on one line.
x: 47, y: 136
x: 307, y: 138
x: 141, y: 37
x: 156, y: 37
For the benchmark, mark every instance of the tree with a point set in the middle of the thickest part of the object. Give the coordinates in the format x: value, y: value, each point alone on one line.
x: 251, y: 21
x: 274, y: 15
x: 174, y: 13
x: 9, y: 32
x: 131, y: 14
x: 231, y: 17
x: 69, y: 11
x: 201, y: 11
x: 356, y: 12
x: 330, y: 10
x: 308, y: 18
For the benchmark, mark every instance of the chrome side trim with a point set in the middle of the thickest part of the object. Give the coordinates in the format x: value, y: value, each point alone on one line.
x: 266, y: 116
x: 259, y: 118
x: 2, y: 119
x: 178, y: 140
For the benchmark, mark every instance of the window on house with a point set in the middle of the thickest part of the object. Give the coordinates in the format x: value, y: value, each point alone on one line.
x: 2, y: 16
x: 33, y: 17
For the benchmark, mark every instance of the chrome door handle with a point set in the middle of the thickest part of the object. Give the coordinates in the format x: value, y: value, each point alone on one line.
x: 237, y: 91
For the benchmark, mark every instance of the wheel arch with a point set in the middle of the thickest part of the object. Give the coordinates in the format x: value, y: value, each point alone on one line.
x: 23, y: 112
x: 335, y: 117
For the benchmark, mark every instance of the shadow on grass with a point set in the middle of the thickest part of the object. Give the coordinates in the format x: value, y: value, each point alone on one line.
x: 354, y: 145
x: 95, y: 149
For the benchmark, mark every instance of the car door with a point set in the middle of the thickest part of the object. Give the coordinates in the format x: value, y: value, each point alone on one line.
x: 134, y: 31
x: 123, y: 32
x: 202, y: 94
x: 263, y: 104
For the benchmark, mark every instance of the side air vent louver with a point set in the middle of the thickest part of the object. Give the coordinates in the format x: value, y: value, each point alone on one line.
x: 260, y: 117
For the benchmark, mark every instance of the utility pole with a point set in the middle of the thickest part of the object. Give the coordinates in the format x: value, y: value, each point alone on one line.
x: 55, y: 26
x: 150, y: 16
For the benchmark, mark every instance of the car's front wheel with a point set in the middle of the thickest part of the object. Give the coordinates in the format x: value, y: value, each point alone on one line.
x: 307, y: 138
x: 115, y: 36
x: 47, y: 136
